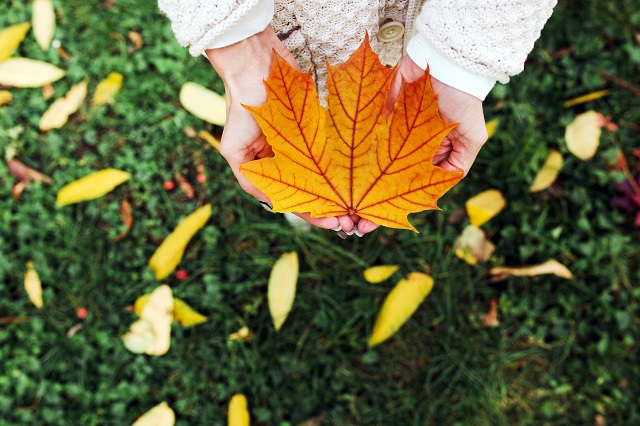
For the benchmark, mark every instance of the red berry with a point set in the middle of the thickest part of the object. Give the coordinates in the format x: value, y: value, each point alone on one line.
x: 82, y: 313
x: 201, y: 177
x: 181, y: 274
x: 169, y: 185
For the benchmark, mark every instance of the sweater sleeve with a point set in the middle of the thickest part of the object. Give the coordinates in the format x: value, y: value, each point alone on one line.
x: 208, y: 24
x: 472, y: 44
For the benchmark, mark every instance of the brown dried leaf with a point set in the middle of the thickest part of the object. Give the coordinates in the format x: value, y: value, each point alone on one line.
x: 126, y: 213
x: 136, y: 39
x: 185, y: 186
x: 22, y: 172
x: 491, y: 317
x: 551, y: 266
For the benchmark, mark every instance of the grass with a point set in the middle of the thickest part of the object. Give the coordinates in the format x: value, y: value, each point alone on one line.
x: 564, y: 352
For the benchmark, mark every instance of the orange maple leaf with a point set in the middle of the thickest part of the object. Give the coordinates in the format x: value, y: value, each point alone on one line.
x: 350, y: 158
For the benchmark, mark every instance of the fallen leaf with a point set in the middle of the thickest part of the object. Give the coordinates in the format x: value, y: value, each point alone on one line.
x: 25, y: 72
x: 18, y: 188
x: 139, y: 336
x: 74, y: 330
x: 160, y: 415
x: 282, y: 287
x: 136, y: 39
x: 107, y: 89
x: 92, y: 186
x: 491, y: 318
x: 473, y: 246
x: 586, y: 98
x: 21, y: 171
x: 5, y: 97
x: 126, y: 214
x: 548, y: 173
x: 48, y: 91
x: 551, y: 266
x: 484, y: 206
x: 350, y: 158
x: 377, y: 274
x: 185, y: 186
x: 151, y: 334
x: 582, y: 135
x: 168, y: 255
x: 11, y: 37
x: 44, y: 22
x: 33, y: 286
x: 238, y: 411
x: 186, y: 315
x: 204, y: 103
x: 215, y: 143
x: 58, y: 113
x: 12, y: 320
x: 399, y: 305
x: 492, y: 126
x: 243, y: 334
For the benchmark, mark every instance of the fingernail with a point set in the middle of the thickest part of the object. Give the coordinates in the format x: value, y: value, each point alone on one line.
x: 358, y: 233
x: 339, y: 228
x: 342, y: 235
x: 265, y: 206
x: 351, y: 232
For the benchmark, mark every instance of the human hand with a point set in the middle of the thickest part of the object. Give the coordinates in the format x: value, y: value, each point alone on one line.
x: 243, y: 66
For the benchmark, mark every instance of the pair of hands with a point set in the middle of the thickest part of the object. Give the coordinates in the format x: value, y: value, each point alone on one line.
x: 244, y: 65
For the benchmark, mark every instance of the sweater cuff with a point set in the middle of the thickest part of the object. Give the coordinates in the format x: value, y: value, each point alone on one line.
x: 447, y: 71
x: 255, y: 21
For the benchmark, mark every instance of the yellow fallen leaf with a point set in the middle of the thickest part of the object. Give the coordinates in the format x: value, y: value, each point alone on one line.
x: 11, y: 37
x: 204, y: 103
x: 238, y: 411
x: 551, y: 266
x: 215, y: 143
x: 139, y: 336
x: 548, y: 173
x: 5, y: 97
x: 25, y: 72
x: 160, y: 415
x: 400, y: 304
x: 484, y: 206
x: 473, y: 246
x: 170, y: 252
x: 377, y: 274
x: 92, y: 186
x: 582, y: 135
x: 243, y: 334
x: 159, y: 313
x: 44, y: 22
x: 107, y: 89
x: 585, y: 98
x: 33, y: 286
x: 58, y: 113
x: 185, y: 314
x: 492, y: 126
x: 282, y: 287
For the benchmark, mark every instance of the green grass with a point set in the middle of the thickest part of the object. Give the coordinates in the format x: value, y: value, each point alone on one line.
x: 564, y: 352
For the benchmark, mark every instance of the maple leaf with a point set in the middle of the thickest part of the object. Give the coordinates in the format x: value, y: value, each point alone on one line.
x: 350, y: 158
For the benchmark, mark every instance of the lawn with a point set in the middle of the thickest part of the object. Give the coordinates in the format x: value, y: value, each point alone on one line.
x: 564, y: 352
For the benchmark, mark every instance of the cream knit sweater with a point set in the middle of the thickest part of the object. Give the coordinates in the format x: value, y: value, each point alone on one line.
x: 468, y: 44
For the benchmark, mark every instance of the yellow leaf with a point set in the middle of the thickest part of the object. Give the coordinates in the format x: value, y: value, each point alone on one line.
x: 170, y: 252
x: 243, y: 334
x: 58, y: 113
x: 25, y: 72
x: 551, y: 266
x: 586, y: 98
x: 158, y: 312
x: 473, y: 246
x: 492, y: 126
x: 185, y: 314
x: 582, y: 135
x: 33, y: 286
x: 107, y: 89
x: 11, y: 37
x: 204, y: 103
x: 484, y: 206
x: 399, y: 305
x: 238, y: 411
x: 203, y: 134
x: 5, y: 97
x: 377, y: 274
x: 44, y: 22
x: 139, y: 336
x: 92, y: 186
x: 140, y: 302
x: 548, y: 173
x: 282, y: 287
x: 160, y: 415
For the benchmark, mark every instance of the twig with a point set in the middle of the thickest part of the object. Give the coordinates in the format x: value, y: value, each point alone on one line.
x: 620, y: 82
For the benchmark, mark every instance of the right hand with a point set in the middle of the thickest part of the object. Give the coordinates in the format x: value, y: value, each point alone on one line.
x: 243, y: 66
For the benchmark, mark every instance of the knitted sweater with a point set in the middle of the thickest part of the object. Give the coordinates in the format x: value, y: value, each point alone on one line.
x: 468, y: 44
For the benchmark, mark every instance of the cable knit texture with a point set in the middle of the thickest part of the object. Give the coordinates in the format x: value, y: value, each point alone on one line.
x: 490, y: 38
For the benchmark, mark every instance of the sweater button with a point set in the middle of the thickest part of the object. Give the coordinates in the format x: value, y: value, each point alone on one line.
x: 391, y: 31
